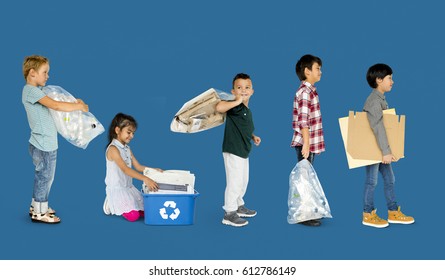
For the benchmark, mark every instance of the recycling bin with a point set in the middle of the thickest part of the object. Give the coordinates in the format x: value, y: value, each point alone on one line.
x: 169, y: 209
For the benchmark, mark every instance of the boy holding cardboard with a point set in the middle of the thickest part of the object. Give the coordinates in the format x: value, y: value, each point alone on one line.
x: 379, y: 77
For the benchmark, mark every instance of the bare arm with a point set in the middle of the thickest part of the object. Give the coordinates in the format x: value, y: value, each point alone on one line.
x: 224, y: 106
x: 114, y: 155
x: 139, y: 167
x: 306, y: 143
x: 63, y: 106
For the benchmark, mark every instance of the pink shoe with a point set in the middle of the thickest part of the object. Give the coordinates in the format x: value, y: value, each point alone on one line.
x: 141, y: 213
x: 131, y: 216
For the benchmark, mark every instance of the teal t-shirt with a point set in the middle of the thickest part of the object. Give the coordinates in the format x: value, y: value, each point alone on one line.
x: 238, y: 131
x: 43, y: 128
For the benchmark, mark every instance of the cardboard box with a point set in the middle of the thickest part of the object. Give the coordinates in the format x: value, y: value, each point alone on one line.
x: 360, y: 142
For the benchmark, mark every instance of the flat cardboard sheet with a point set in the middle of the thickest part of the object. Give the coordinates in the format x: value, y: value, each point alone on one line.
x: 352, y: 163
x: 360, y: 143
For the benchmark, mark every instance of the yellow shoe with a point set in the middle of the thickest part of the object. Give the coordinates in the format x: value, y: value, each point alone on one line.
x: 397, y: 217
x: 372, y: 220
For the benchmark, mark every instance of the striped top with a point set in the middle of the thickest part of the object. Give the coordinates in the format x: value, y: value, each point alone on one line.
x: 307, y: 114
x: 43, y: 128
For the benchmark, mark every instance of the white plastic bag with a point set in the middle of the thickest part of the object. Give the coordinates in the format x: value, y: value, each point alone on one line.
x: 77, y: 127
x: 306, y: 200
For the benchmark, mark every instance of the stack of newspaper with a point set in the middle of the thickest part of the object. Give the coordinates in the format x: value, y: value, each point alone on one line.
x: 170, y: 181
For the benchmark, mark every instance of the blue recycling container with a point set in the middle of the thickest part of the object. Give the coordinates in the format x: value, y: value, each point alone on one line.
x: 169, y: 209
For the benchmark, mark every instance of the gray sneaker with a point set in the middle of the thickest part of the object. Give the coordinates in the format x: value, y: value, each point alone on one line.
x: 232, y: 219
x: 245, y: 212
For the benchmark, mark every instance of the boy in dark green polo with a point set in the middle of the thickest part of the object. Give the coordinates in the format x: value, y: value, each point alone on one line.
x: 236, y: 148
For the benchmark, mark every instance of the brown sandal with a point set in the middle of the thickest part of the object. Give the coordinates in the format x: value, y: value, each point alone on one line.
x: 45, y: 218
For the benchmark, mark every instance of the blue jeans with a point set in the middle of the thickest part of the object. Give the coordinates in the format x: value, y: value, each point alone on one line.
x: 45, y: 168
x: 300, y: 157
x: 372, y: 173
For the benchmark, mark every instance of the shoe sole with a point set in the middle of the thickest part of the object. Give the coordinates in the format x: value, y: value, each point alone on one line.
x: 246, y: 215
x: 105, y: 207
x: 43, y: 222
x: 401, y: 222
x: 310, y: 224
x: 229, y: 223
x: 374, y: 225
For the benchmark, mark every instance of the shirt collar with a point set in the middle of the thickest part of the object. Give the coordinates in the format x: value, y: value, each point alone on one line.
x: 379, y: 94
x: 309, y: 85
x: 119, y: 144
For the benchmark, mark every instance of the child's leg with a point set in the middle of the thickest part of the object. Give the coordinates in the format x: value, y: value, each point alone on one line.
x: 245, y: 175
x: 372, y: 172
x: 131, y: 216
x: 388, y: 185
x: 234, y: 181
x: 45, y: 168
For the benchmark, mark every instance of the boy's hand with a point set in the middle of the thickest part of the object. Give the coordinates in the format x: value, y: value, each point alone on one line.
x: 84, y: 106
x: 152, y: 186
x: 387, y: 159
x: 256, y: 140
x: 305, y: 151
x: 239, y: 99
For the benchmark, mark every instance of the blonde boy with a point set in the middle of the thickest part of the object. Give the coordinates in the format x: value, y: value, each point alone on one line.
x: 43, y: 141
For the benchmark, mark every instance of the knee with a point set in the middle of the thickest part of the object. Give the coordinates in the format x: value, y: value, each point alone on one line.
x: 371, y: 182
x: 131, y: 216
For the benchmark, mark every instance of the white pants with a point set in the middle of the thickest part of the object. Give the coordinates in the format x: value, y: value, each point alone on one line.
x: 237, y: 178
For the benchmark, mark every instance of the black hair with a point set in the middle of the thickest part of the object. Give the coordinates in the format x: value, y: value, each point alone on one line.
x: 377, y: 71
x: 240, y: 76
x: 306, y: 61
x: 120, y: 120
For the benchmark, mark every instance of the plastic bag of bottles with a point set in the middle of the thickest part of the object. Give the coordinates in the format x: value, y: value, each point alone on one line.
x: 306, y: 199
x: 77, y: 127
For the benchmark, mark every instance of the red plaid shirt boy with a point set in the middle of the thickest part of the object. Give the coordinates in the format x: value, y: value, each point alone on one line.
x: 307, y: 114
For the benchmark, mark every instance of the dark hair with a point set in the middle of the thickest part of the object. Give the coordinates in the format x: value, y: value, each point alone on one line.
x: 120, y: 120
x: 377, y: 71
x: 240, y: 76
x: 306, y: 61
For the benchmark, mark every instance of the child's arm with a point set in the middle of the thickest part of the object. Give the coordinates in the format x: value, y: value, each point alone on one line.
x: 305, y: 150
x: 114, y: 155
x: 375, y: 118
x: 63, y: 106
x: 302, y: 103
x: 224, y: 106
x: 139, y: 167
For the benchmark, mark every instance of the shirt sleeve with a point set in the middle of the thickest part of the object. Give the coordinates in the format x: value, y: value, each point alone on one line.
x: 303, y: 100
x: 375, y: 118
x: 34, y: 95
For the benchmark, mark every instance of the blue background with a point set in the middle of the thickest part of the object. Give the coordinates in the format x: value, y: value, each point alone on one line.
x: 147, y: 58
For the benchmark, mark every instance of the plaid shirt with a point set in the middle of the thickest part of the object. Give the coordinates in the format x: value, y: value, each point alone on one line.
x: 307, y: 113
